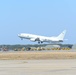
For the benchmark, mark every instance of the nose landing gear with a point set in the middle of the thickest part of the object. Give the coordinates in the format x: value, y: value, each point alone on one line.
x: 21, y: 38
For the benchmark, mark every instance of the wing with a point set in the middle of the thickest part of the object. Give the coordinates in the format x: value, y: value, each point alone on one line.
x: 36, y: 39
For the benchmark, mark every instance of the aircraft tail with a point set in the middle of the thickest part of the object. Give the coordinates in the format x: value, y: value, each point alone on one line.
x: 61, y: 36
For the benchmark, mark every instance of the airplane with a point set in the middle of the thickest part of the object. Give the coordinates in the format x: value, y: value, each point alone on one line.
x: 41, y: 39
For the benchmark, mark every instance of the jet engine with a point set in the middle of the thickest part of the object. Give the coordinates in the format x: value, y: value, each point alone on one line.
x: 33, y: 40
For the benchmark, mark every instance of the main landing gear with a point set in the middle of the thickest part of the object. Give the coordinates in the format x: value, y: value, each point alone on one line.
x: 40, y: 42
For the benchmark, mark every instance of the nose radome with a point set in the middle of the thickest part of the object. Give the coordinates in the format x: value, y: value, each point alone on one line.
x: 18, y: 34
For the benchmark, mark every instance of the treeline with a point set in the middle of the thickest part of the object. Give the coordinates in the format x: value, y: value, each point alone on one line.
x: 12, y: 47
x: 19, y: 47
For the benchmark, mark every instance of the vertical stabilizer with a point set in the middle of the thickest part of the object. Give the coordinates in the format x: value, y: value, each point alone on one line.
x: 61, y: 36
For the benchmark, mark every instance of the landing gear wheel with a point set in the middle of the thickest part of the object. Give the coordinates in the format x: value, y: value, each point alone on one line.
x: 41, y: 42
x: 38, y: 42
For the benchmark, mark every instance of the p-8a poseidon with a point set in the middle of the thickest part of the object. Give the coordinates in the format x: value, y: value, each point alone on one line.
x: 41, y: 39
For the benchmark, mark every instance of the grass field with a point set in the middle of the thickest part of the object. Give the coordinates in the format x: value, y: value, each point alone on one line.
x: 36, y: 55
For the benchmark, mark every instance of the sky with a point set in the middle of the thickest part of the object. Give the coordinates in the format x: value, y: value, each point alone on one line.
x: 40, y: 17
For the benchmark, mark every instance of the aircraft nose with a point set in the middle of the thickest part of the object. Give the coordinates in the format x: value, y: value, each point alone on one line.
x: 19, y: 35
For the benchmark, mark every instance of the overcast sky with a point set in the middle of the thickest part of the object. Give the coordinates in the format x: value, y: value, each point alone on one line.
x: 41, y: 17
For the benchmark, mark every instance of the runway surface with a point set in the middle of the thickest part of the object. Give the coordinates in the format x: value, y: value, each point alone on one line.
x: 38, y: 67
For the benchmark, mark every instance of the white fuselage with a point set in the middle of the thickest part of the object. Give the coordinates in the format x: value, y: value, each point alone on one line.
x: 42, y: 39
x: 35, y: 37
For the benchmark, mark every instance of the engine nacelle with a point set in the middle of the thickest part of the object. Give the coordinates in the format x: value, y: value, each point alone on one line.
x: 32, y: 40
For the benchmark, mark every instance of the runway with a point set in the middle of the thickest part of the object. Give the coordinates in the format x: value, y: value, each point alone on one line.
x: 38, y: 67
